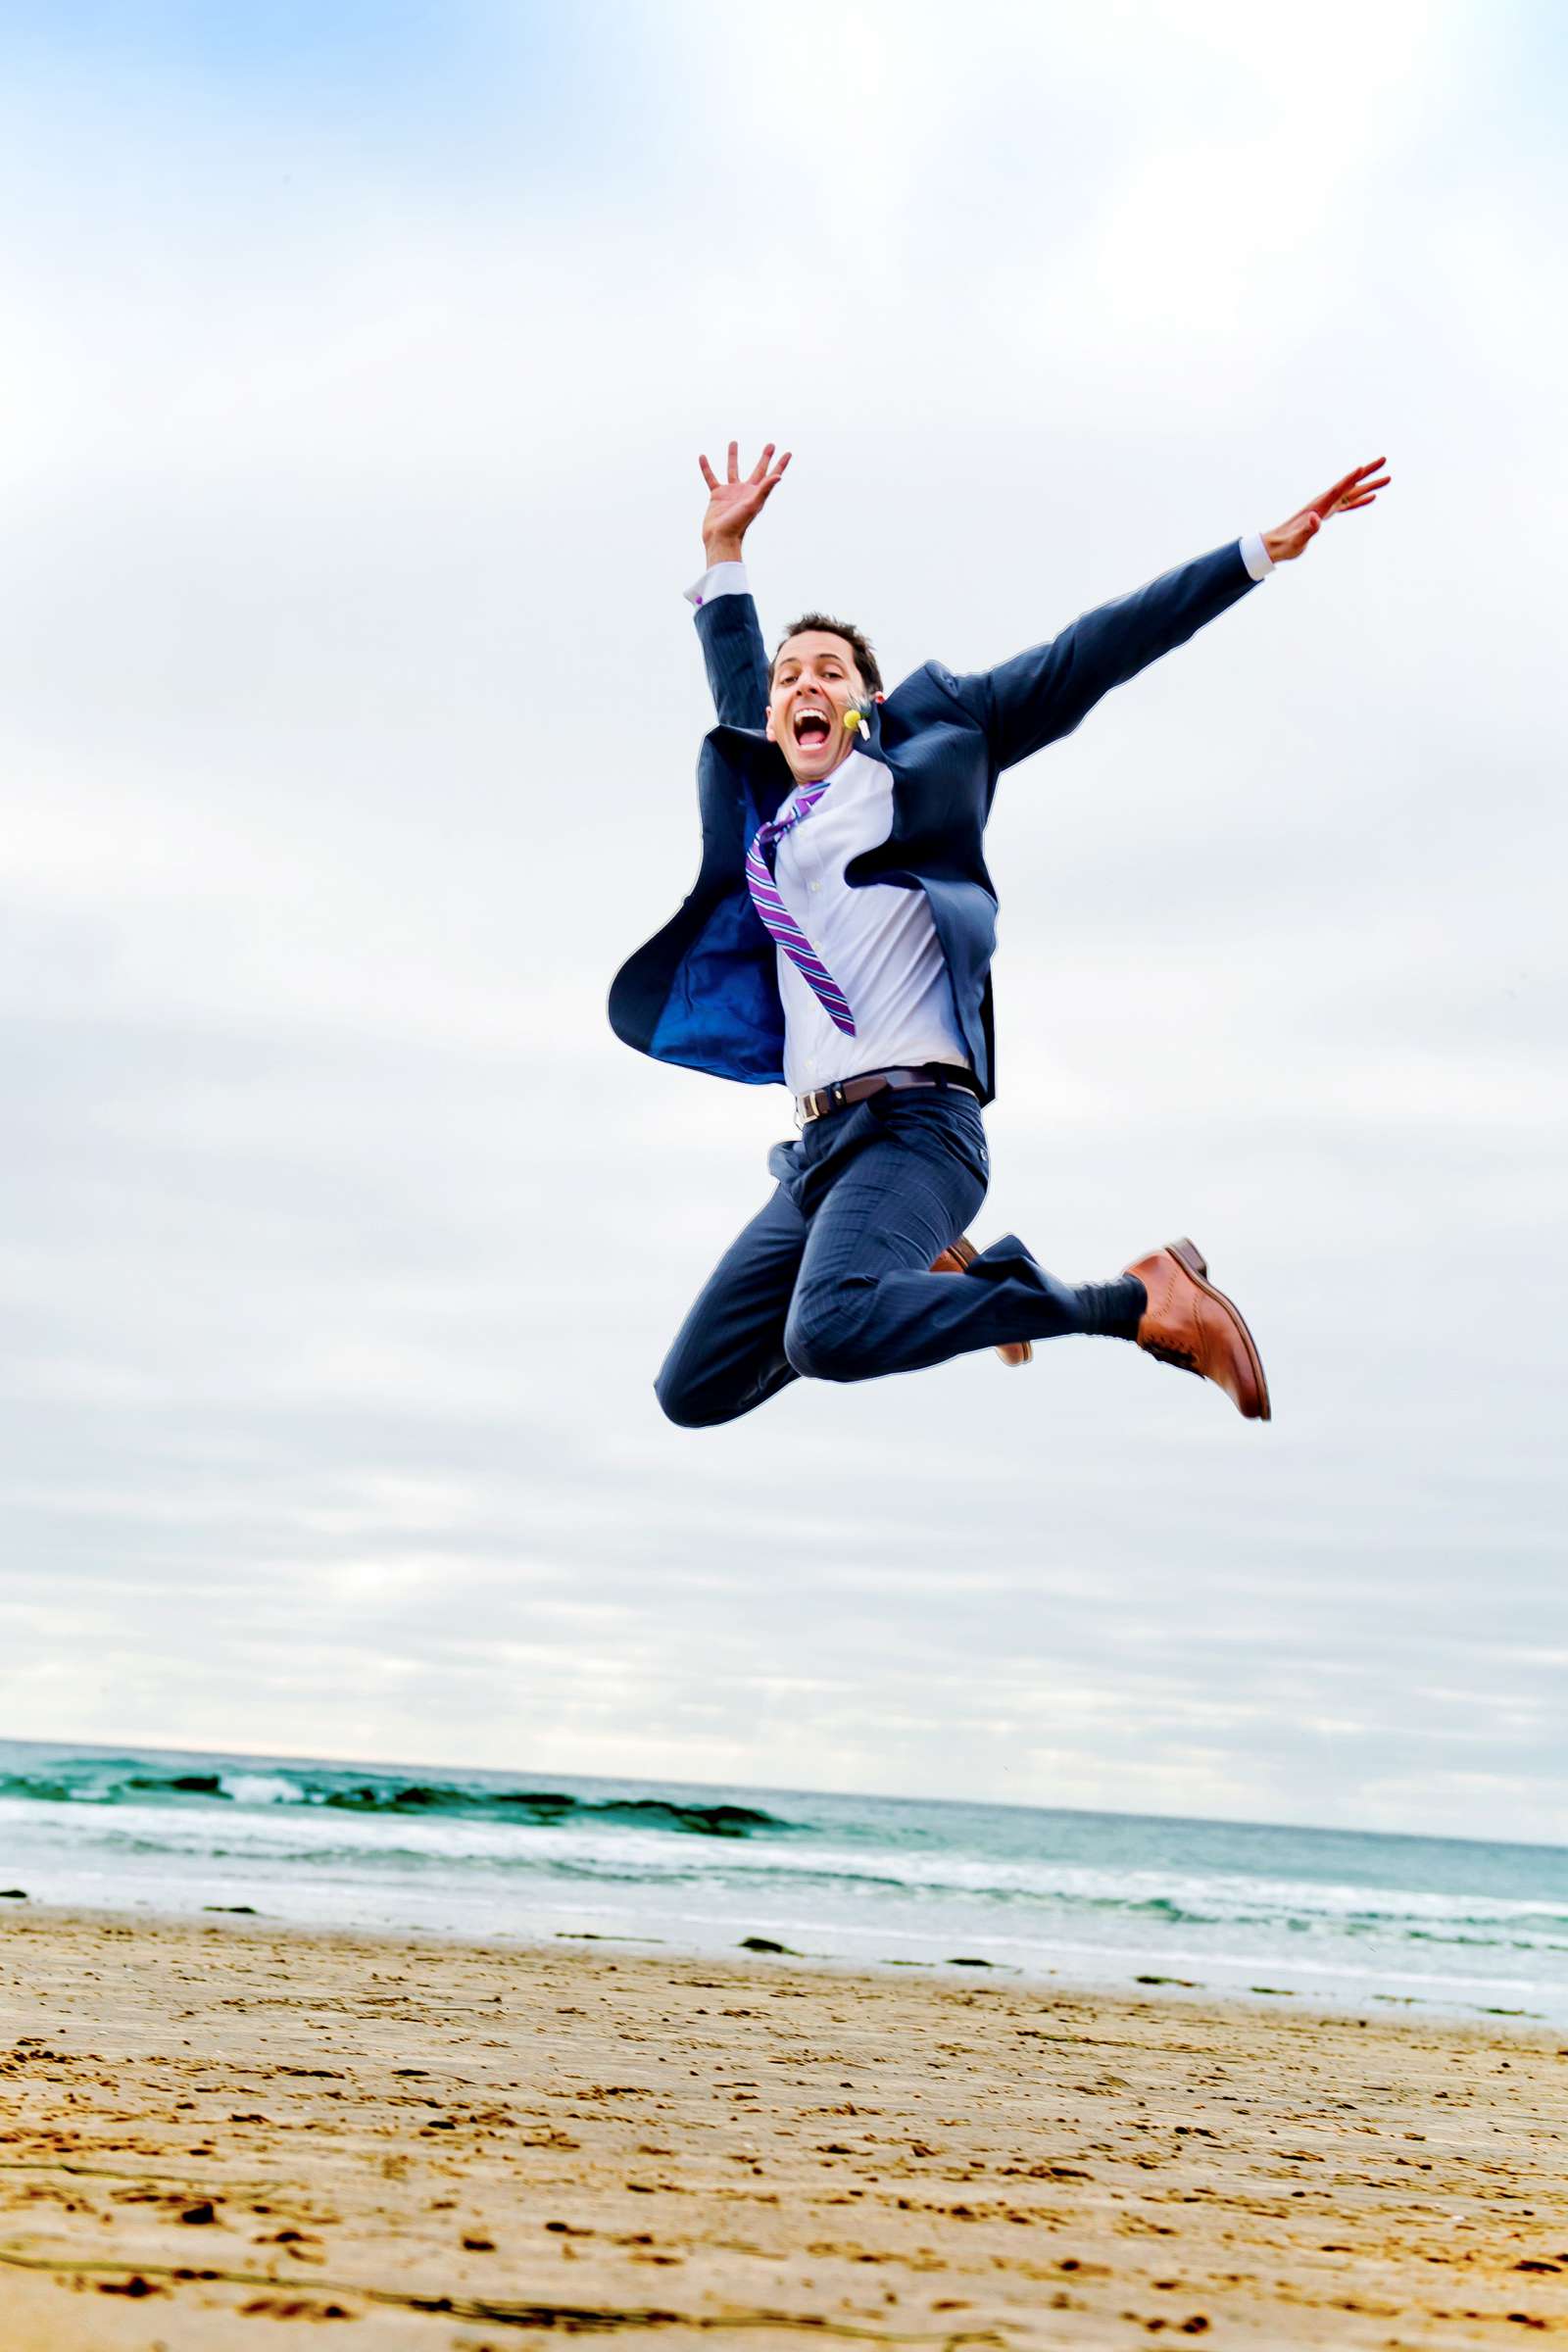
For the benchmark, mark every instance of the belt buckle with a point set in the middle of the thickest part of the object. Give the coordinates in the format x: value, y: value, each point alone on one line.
x: 818, y: 1103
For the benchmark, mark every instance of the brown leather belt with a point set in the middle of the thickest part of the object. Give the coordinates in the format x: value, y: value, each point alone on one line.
x: 848, y: 1091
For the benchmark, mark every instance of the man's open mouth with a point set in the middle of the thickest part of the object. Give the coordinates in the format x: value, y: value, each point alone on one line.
x: 811, y: 730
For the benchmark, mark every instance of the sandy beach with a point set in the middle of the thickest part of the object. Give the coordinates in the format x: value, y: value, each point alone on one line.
x: 207, y: 2126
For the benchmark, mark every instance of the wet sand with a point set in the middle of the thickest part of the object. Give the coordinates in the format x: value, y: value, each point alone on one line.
x: 209, y: 2131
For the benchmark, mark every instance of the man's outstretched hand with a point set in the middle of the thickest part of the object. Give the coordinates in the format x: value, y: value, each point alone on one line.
x: 1357, y: 489
x: 734, y: 504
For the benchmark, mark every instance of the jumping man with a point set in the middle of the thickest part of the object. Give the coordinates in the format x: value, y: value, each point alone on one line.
x: 839, y: 941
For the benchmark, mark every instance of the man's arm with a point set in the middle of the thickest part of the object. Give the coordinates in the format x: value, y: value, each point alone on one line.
x: 727, y: 624
x: 1043, y: 694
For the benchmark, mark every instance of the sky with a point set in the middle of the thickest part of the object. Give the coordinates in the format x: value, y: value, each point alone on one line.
x: 357, y: 359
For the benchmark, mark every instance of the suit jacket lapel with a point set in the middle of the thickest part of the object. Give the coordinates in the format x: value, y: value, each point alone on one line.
x: 762, y: 768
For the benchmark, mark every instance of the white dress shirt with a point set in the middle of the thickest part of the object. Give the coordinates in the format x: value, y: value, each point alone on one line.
x: 878, y: 941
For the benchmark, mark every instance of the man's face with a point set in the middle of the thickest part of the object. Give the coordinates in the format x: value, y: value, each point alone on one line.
x: 814, y: 683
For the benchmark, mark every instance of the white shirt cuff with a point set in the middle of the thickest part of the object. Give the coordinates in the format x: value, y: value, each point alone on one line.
x: 719, y: 579
x: 1254, y: 555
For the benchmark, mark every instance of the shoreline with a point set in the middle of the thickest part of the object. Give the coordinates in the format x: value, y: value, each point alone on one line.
x: 1343, y: 1919
x: 447, y: 2143
x: 1304, y: 2001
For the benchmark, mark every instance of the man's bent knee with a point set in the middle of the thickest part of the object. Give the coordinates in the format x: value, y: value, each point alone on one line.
x: 826, y: 1335
x: 694, y: 1398
x: 688, y: 1405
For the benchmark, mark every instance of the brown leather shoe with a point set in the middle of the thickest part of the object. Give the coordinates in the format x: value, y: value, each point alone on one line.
x: 1191, y: 1324
x: 953, y: 1261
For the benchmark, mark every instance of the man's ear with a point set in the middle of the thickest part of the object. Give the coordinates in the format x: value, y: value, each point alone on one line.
x: 767, y: 725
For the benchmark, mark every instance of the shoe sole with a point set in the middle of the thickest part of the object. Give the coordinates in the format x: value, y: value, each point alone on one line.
x: 1188, y: 1256
x: 964, y: 1251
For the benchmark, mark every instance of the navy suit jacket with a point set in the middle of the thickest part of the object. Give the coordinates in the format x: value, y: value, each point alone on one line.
x: 703, y: 992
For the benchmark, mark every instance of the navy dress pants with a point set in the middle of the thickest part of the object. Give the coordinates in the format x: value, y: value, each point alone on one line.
x: 831, y: 1280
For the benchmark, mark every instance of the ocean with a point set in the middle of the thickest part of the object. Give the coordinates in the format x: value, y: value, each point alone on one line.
x: 1335, y: 1917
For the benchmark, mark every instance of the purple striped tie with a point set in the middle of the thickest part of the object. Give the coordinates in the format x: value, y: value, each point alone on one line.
x: 776, y: 918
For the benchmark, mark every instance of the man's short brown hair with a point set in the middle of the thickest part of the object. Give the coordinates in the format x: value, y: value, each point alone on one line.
x: 855, y: 639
